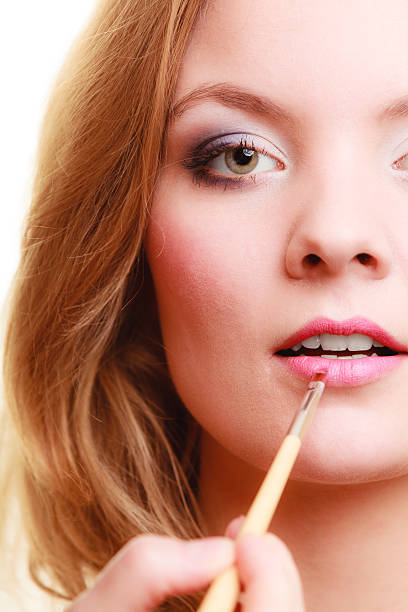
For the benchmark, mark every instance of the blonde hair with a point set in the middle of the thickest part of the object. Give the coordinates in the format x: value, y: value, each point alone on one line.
x: 108, y: 449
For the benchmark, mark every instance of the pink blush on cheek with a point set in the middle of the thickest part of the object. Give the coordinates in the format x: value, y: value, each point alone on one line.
x: 192, y: 273
x: 188, y: 295
x: 197, y: 314
x: 178, y: 267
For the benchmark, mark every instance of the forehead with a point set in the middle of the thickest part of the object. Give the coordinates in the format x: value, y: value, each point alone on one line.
x: 319, y: 60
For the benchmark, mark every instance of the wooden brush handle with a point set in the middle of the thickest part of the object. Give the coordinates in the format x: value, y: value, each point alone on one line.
x: 264, y: 505
x: 222, y: 596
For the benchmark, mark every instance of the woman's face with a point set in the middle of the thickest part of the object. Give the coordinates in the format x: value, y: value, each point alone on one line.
x: 265, y: 220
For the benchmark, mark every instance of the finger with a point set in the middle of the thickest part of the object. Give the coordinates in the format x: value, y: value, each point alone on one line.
x: 269, y: 575
x: 234, y: 526
x: 151, y: 568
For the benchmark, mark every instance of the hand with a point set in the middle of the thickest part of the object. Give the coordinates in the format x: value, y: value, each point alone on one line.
x: 268, y: 573
x: 151, y: 568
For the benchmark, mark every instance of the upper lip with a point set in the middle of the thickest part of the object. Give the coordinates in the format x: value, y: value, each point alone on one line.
x: 356, y: 325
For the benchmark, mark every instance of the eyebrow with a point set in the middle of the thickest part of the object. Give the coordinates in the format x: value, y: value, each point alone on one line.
x: 236, y: 97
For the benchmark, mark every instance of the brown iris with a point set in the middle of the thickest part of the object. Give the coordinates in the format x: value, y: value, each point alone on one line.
x: 241, y: 161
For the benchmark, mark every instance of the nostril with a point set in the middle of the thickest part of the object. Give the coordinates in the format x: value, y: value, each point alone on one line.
x: 311, y: 260
x: 364, y: 258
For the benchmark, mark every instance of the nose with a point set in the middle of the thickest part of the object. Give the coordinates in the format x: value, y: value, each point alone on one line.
x: 339, y: 231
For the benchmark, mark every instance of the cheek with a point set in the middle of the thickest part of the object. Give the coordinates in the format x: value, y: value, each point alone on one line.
x: 199, y: 280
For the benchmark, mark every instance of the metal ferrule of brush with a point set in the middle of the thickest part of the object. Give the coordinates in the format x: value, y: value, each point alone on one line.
x: 303, y: 416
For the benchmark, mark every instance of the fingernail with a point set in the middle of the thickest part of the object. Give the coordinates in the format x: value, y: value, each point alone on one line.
x: 214, y: 553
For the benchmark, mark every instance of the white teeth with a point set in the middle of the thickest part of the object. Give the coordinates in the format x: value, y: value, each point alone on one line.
x: 358, y: 356
x: 330, y: 342
x: 359, y: 342
x: 338, y: 342
x: 311, y: 343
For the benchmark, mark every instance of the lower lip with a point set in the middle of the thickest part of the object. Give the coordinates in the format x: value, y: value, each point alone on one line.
x: 343, y: 372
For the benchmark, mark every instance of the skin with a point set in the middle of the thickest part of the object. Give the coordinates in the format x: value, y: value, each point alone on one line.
x: 233, y: 282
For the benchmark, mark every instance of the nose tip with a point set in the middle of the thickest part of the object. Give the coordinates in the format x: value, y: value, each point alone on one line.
x: 333, y: 255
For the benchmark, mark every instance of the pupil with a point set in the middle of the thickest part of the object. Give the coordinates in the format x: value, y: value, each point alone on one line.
x: 243, y: 156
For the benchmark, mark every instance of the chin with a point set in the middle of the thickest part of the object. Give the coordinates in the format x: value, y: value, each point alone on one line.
x: 342, y: 462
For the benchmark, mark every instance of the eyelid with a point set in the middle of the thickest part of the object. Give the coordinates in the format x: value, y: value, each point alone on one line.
x: 249, y: 138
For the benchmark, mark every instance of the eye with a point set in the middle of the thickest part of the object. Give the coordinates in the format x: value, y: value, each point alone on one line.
x: 231, y: 161
x: 402, y: 163
x: 244, y: 160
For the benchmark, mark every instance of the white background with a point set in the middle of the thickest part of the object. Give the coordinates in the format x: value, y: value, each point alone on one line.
x: 35, y: 37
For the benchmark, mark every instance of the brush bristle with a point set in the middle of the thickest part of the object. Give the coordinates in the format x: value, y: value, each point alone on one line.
x: 320, y: 376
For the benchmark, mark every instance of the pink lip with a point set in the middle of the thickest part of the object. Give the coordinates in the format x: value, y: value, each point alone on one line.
x: 349, y: 372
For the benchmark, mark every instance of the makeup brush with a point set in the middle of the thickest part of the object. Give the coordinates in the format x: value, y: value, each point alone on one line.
x: 223, y: 594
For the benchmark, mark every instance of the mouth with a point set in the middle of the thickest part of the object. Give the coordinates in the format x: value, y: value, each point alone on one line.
x: 354, y: 352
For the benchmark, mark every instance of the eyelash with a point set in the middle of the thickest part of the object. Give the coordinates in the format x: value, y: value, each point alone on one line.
x: 200, y: 156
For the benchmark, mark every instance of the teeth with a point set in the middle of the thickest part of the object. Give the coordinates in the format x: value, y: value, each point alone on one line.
x: 358, y: 356
x: 331, y: 342
x: 311, y: 343
x: 359, y: 342
x: 337, y: 342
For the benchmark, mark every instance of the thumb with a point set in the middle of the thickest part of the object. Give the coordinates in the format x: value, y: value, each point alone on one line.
x: 233, y: 527
x: 269, y: 575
